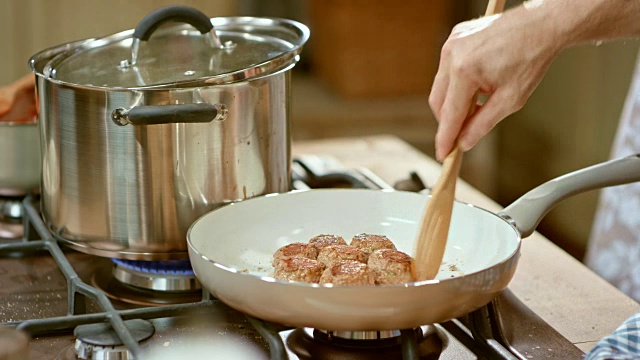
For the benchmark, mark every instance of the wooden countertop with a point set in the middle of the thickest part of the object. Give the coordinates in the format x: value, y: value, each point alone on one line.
x: 567, y: 295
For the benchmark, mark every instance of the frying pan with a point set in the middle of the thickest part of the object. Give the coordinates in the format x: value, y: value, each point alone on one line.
x: 231, y: 250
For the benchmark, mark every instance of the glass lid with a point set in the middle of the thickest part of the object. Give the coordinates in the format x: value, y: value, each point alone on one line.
x: 206, y: 51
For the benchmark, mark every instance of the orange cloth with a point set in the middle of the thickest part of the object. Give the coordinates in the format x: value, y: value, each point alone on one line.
x: 17, y: 100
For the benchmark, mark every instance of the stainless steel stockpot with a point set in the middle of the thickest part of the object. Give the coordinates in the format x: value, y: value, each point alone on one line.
x: 143, y: 134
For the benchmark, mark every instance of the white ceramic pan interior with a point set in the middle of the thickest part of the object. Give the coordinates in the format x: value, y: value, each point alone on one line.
x: 247, y: 234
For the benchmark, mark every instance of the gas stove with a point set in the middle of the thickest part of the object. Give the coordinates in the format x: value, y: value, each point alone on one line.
x: 73, y: 305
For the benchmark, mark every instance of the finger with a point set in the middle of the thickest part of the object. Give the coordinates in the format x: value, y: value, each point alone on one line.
x: 438, y: 92
x: 440, y: 82
x: 494, y: 110
x: 460, y: 95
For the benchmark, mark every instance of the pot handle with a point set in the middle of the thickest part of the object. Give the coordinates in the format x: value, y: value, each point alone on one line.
x: 169, y: 114
x: 528, y: 210
x: 179, y: 13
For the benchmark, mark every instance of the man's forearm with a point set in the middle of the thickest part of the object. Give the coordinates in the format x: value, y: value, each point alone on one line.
x: 580, y: 21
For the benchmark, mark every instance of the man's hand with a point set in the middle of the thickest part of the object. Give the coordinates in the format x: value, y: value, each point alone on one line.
x: 502, y: 56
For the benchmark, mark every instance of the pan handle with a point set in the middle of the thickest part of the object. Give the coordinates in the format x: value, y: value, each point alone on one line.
x: 528, y: 210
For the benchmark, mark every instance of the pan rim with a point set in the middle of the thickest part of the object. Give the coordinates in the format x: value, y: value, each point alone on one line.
x: 270, y: 279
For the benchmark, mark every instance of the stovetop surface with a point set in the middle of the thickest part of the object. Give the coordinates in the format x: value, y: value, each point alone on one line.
x: 32, y: 287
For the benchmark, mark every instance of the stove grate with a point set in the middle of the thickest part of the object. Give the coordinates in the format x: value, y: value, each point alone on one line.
x: 37, y: 237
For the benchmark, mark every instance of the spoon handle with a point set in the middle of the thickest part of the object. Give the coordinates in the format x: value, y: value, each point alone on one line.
x: 434, y: 228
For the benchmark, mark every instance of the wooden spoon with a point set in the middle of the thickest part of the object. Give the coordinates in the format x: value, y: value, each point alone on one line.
x: 434, y: 226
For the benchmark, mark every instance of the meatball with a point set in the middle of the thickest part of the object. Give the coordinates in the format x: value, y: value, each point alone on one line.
x: 294, y: 250
x: 321, y: 241
x: 348, y: 272
x: 333, y: 254
x: 370, y: 243
x: 391, y: 267
x: 299, y: 269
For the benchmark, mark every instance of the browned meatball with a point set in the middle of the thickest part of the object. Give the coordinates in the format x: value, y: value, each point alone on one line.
x: 321, y: 241
x: 294, y: 250
x: 391, y: 267
x: 348, y: 273
x: 333, y: 254
x: 299, y: 269
x: 370, y: 243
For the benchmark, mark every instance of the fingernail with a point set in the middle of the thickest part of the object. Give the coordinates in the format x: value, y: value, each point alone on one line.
x: 465, y: 144
x: 439, y: 154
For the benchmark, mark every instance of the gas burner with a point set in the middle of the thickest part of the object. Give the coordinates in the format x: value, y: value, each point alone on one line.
x: 169, y: 276
x: 11, y: 211
x: 310, y: 343
x: 100, y: 341
x: 11, y: 208
x: 104, y: 279
x: 360, y: 335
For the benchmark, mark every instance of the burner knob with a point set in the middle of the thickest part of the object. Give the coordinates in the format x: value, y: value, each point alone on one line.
x: 14, y: 344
